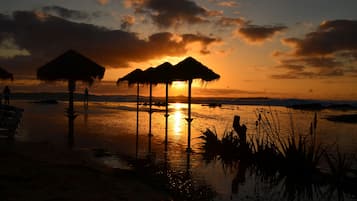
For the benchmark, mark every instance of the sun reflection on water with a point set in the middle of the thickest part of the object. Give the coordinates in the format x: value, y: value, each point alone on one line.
x: 178, y: 120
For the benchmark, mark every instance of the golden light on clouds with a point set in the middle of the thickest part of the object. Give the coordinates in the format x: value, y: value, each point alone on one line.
x: 42, y: 16
x: 103, y: 2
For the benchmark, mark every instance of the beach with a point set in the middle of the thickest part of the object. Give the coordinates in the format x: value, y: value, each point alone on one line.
x: 38, y: 171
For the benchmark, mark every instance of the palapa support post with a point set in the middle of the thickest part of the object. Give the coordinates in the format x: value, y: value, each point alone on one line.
x: 70, y: 112
x: 62, y: 68
x: 188, y: 162
x: 137, y: 121
x: 166, y: 115
x: 150, y: 113
x: 189, y: 119
x: 71, y: 89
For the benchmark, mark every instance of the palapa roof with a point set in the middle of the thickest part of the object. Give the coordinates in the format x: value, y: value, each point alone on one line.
x: 71, y: 66
x: 190, y: 69
x: 5, y: 75
x: 164, y: 73
x: 149, y: 76
x: 133, y: 77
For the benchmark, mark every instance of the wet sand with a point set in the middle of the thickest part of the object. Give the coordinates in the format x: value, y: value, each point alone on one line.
x: 39, y: 171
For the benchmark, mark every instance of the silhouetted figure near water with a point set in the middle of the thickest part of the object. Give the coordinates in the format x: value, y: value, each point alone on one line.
x: 6, y: 94
x: 240, y: 129
x: 85, y: 100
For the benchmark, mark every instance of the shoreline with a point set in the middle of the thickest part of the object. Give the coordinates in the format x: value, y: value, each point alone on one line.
x: 267, y: 101
x: 39, y: 171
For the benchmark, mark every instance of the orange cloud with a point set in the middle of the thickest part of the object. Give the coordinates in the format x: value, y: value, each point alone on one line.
x: 228, y: 4
x: 228, y: 21
x: 127, y: 21
x: 103, y: 2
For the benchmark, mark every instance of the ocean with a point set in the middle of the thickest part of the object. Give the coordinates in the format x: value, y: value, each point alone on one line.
x: 110, y: 124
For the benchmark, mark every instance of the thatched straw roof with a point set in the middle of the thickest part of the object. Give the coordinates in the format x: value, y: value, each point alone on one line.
x: 190, y: 69
x: 139, y: 76
x: 164, y: 73
x: 71, y: 66
x: 133, y: 77
x: 5, y: 75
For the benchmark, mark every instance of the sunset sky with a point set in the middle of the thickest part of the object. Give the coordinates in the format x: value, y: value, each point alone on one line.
x: 274, y: 48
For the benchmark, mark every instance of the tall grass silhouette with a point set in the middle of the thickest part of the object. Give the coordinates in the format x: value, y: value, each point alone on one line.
x: 291, y: 160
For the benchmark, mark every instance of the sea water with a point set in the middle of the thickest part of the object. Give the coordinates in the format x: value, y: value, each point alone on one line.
x: 112, y: 126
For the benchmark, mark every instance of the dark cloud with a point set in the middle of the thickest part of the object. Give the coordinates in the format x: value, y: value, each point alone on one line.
x: 317, y: 62
x: 69, y: 13
x: 45, y: 37
x: 309, y: 67
x: 294, y: 75
x: 256, y: 33
x: 329, y: 51
x: 322, y: 62
x: 348, y: 55
x: 330, y: 37
x: 202, y: 39
x: 292, y: 67
x: 166, y: 13
x: 65, y: 13
x: 352, y: 71
x: 303, y: 74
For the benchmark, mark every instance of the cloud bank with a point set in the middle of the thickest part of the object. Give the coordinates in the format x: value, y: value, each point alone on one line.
x: 45, y: 36
x: 166, y: 13
x: 329, y: 51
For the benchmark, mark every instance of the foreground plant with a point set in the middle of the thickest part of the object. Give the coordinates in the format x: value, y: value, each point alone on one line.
x: 290, y: 160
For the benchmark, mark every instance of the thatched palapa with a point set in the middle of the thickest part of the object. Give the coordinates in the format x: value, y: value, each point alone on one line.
x: 188, y: 70
x: 71, y: 66
x: 134, y: 77
x: 5, y: 75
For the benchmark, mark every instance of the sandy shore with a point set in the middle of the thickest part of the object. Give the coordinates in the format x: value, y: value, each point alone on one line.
x: 38, y: 171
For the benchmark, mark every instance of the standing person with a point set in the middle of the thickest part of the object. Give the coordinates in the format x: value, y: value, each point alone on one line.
x: 86, y: 98
x: 6, y: 94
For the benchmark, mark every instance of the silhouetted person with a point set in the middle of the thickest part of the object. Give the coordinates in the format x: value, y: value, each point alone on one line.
x: 6, y: 94
x: 86, y: 98
x: 240, y: 129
